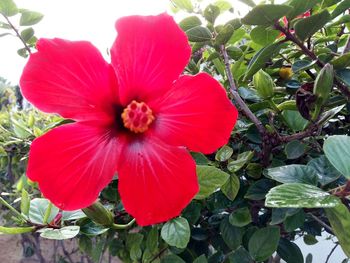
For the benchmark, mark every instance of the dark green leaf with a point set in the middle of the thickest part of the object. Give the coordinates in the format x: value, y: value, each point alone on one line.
x: 199, y: 34
x: 232, y: 235
x: 337, y: 151
x: 341, y: 8
x: 265, y: 14
x: 231, y: 187
x: 293, y: 173
x: 264, y: 35
x: 295, y: 221
x: 172, y: 259
x: 294, y: 120
x: 289, y: 251
x: 325, y: 171
x: 27, y: 34
x: 224, y: 35
x: 176, y: 232
x: 209, y: 179
x: 341, y: 62
x: 294, y: 149
x: 310, y: 240
x: 259, y: 189
x: 201, y: 259
x: 300, y: 7
x: 299, y: 195
x: 344, y: 75
x: 211, y: 12
x: 190, y: 22
x: 308, y: 26
x: 301, y: 65
x: 240, y: 255
x: 240, y: 217
x: 264, y: 242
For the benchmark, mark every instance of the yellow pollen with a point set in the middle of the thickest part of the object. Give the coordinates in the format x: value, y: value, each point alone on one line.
x: 137, y: 117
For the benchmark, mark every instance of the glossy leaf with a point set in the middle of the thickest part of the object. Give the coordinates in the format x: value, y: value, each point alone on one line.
x: 38, y: 207
x: 240, y: 217
x: 294, y: 173
x: 66, y: 232
x: 176, y: 232
x: 231, y: 187
x: 337, y: 151
x: 224, y: 153
x: 299, y: 195
x: 325, y: 171
x: 242, y: 159
x: 265, y: 14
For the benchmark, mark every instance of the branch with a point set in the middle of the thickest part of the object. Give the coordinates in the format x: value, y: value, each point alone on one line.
x: 17, y: 34
x: 330, y: 254
x: 321, y: 223
x: 289, y: 36
x: 237, y: 98
x: 311, y: 131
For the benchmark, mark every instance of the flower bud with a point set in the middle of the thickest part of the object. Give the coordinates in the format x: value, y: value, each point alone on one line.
x: 263, y: 84
x: 285, y: 73
x: 324, y: 83
x: 99, y: 214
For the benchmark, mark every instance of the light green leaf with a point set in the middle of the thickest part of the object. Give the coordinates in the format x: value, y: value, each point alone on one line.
x: 72, y: 215
x: 29, y: 18
x: 176, y: 232
x: 265, y: 14
x: 242, y: 159
x: 38, y: 207
x: 8, y: 8
x: 341, y: 62
x: 223, y: 5
x: 25, y: 202
x: 210, y: 179
x: 66, y: 232
x: 231, y: 187
x: 16, y: 230
x: 299, y: 195
x: 339, y: 217
x: 264, y: 35
x: 294, y: 120
x: 294, y: 149
x: 294, y: 173
x: 337, y: 151
x: 183, y: 4
x: 264, y: 242
x: 308, y: 26
x: 224, y: 153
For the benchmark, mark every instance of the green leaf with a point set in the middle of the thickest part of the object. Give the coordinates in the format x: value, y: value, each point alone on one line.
x: 72, y: 215
x: 306, y: 27
x: 265, y: 14
x: 27, y: 34
x: 294, y: 149
x: 237, y: 36
x: 240, y: 255
x: 224, y: 153
x: 190, y: 22
x: 224, y: 35
x: 341, y: 62
x: 339, y: 218
x: 201, y: 259
x: 344, y: 75
x: 301, y: 65
x: 294, y: 173
x: 295, y: 221
x: 250, y: 3
x: 231, y: 187
x: 200, y: 158
x: 310, y: 240
x: 259, y: 189
x: 300, y: 7
x: 281, y: 214
x: 16, y: 230
x: 29, y: 18
x: 264, y: 242
x: 25, y: 202
x: 92, y: 229
x: 211, y: 12
x: 260, y: 58
x: 183, y: 4
x: 223, y: 5
x: 289, y: 251
x: 209, y: 179
x: 337, y: 151
x: 299, y: 195
x: 8, y: 8
x: 66, y: 232
x: 294, y: 120
x: 264, y: 35
x: 340, y: 8
x: 325, y: 171
x: 176, y: 232
x: 199, y: 34
x: 172, y: 258
x: 240, y: 217
x: 38, y: 208
x: 242, y: 159
x: 232, y: 235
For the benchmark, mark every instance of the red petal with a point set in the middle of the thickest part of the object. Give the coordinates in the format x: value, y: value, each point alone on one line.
x: 149, y: 53
x: 196, y: 113
x: 70, y: 78
x: 73, y: 163
x: 156, y: 181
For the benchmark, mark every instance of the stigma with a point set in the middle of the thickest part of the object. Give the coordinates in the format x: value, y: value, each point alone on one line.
x: 137, y: 117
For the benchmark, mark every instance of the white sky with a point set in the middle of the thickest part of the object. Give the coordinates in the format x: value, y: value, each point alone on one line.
x: 77, y: 20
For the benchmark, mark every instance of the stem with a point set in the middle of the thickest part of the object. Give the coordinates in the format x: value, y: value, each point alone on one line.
x: 47, y: 213
x: 118, y: 226
x: 237, y: 98
x: 3, y: 201
x: 347, y: 46
x: 321, y: 222
x: 18, y: 34
x: 289, y: 36
x: 330, y: 254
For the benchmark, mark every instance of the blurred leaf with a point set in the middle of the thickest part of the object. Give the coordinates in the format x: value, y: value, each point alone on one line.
x: 27, y: 34
x: 264, y: 242
x: 293, y: 173
x: 224, y: 153
x: 25, y: 202
x: 199, y: 34
x: 237, y: 36
x: 306, y: 27
x: 176, y: 232
x: 201, y: 259
x: 240, y: 255
x: 344, y: 75
x: 172, y: 259
x: 72, y: 215
x: 294, y: 120
x: 223, y: 5
x: 211, y: 12
x: 231, y: 187
x: 66, y: 232
x: 339, y: 218
x: 242, y: 159
x: 341, y: 62
x: 240, y: 217
x: 325, y: 171
x: 29, y: 18
x: 189, y: 22
x: 300, y: 7
x: 337, y: 151
x: 340, y: 8
x: 92, y: 229
x: 301, y: 65
x: 183, y: 4
x: 209, y: 179
x: 294, y: 149
x: 289, y: 251
x: 250, y: 3
x: 8, y: 8
x: 16, y: 230
x: 264, y: 35
x: 310, y: 240
x: 295, y: 221
x: 152, y: 240
x: 38, y: 207
x: 224, y: 35
x: 299, y: 195
x: 265, y: 14
x: 200, y: 158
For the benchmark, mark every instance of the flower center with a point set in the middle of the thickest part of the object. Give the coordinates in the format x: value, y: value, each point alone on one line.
x: 137, y: 117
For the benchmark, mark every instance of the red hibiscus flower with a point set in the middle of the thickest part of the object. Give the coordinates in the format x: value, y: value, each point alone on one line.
x: 133, y: 117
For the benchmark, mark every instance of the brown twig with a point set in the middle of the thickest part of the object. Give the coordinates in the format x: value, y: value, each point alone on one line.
x: 17, y: 34
x: 289, y: 36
